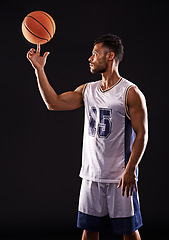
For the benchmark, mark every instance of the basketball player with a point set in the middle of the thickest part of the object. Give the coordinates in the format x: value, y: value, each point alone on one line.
x: 115, y: 137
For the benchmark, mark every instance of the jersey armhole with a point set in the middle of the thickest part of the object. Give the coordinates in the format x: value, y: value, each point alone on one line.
x: 84, y: 89
x: 125, y: 100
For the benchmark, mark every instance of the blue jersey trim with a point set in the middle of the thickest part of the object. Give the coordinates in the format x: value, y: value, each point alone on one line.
x: 129, y: 140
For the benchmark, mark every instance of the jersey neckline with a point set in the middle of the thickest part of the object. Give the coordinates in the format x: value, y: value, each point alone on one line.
x: 103, y: 91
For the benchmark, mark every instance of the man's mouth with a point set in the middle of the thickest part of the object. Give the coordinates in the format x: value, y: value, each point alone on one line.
x: 91, y: 65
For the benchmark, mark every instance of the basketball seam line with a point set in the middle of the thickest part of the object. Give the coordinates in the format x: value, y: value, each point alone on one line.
x: 34, y: 34
x: 41, y: 25
x: 50, y: 21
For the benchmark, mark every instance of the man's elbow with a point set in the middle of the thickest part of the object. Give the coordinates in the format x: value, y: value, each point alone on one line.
x: 144, y: 136
x: 51, y: 107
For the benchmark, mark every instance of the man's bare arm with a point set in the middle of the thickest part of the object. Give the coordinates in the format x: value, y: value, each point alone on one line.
x: 138, y: 113
x: 66, y: 101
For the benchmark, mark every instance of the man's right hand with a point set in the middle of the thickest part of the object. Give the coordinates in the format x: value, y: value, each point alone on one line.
x: 37, y: 61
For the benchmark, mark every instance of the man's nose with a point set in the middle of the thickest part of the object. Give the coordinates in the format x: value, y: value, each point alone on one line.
x: 90, y: 59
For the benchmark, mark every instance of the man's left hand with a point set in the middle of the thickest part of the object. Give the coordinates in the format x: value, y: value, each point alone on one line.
x: 128, y: 182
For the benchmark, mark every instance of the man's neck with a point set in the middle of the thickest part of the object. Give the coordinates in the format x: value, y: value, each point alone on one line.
x: 110, y: 78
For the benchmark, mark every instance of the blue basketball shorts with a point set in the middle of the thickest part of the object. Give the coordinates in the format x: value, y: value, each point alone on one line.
x: 101, y: 205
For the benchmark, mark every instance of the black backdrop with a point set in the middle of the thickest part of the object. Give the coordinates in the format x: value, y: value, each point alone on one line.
x: 40, y: 155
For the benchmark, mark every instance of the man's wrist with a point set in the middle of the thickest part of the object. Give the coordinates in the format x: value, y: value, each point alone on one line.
x: 39, y: 70
x: 131, y: 167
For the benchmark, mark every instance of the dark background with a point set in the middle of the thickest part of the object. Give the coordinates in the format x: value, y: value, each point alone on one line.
x: 40, y: 154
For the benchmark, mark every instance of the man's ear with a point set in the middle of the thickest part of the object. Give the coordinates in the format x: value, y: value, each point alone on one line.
x: 110, y: 56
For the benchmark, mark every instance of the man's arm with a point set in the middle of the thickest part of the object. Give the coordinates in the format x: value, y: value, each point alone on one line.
x: 66, y: 101
x: 138, y: 113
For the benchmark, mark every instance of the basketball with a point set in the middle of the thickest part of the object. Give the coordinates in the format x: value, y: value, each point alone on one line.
x: 38, y: 27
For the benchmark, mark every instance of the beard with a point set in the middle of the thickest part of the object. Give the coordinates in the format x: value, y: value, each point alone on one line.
x: 99, y: 68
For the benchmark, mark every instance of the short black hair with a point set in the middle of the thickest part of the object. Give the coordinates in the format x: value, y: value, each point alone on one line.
x: 113, y: 43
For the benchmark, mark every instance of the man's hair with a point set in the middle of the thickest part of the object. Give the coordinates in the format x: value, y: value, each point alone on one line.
x: 113, y: 43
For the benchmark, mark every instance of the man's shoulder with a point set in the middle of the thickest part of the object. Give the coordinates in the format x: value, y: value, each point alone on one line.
x: 127, y: 82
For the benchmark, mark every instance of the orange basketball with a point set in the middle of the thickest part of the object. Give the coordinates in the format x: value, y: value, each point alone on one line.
x: 38, y: 27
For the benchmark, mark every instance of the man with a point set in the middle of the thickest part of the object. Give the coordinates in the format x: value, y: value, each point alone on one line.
x: 115, y: 137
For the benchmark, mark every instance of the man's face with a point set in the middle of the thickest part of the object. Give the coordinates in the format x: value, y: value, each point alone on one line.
x: 98, y: 63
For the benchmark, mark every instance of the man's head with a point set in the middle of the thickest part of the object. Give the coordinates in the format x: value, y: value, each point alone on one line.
x: 106, y: 48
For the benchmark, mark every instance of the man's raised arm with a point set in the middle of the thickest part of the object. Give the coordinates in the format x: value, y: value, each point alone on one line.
x: 66, y: 101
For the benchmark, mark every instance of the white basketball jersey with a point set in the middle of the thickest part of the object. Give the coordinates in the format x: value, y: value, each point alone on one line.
x: 108, y: 134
